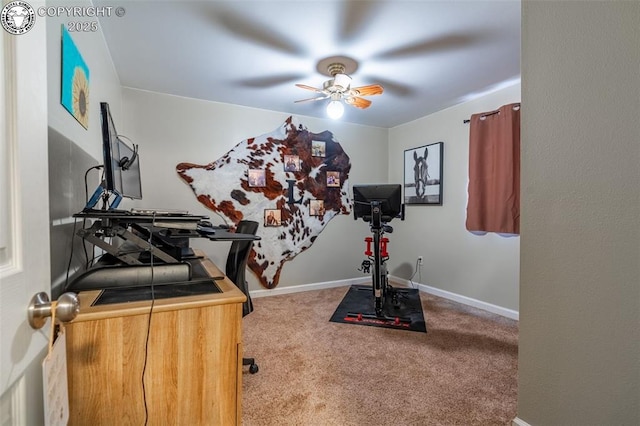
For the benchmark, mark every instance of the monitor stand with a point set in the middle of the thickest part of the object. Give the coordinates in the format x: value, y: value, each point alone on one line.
x: 101, y: 192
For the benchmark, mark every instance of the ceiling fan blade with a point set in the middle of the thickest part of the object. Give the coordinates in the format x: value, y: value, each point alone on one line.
x: 355, y: 18
x: 444, y: 43
x: 371, y: 89
x: 311, y: 99
x: 313, y: 89
x: 357, y: 102
x: 268, y: 82
x: 253, y: 31
x: 397, y: 88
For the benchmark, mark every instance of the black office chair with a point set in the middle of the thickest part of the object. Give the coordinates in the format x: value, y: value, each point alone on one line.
x: 235, y: 269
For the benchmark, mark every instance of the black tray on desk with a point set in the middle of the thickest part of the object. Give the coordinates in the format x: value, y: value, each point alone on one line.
x: 200, y: 283
x: 194, y: 287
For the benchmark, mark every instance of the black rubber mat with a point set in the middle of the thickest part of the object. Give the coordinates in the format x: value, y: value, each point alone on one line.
x: 403, y: 312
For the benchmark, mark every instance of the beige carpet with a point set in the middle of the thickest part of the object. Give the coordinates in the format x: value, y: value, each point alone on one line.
x: 463, y: 371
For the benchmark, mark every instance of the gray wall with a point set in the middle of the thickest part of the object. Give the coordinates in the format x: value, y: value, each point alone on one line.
x: 171, y: 130
x: 72, y: 149
x: 579, y: 352
x: 491, y: 262
x: 68, y: 163
x: 104, y: 83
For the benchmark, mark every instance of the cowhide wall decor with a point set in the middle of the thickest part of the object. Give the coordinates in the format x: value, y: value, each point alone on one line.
x: 291, y: 181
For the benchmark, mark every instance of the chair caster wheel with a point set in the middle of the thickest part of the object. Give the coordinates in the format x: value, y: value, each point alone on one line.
x: 253, y: 368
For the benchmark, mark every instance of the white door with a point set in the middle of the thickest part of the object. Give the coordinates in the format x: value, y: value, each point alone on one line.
x: 24, y: 217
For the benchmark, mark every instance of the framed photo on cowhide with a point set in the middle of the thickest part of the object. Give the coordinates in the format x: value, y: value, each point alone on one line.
x: 333, y: 179
x: 257, y: 178
x: 316, y: 207
x: 272, y: 217
x: 318, y: 149
x: 423, y: 174
x: 292, y: 163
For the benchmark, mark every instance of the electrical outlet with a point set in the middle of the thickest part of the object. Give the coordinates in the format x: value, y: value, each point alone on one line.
x: 420, y: 260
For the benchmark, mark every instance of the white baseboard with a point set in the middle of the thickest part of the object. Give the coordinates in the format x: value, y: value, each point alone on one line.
x: 495, y: 309
x: 519, y: 422
x: 499, y: 310
x: 308, y: 287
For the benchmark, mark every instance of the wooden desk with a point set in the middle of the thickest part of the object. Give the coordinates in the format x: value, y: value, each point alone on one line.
x: 193, y: 364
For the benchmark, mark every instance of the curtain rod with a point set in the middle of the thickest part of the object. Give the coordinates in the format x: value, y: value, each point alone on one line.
x: 484, y: 115
x: 490, y: 113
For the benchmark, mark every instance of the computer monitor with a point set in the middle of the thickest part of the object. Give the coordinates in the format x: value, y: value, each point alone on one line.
x: 387, y: 196
x: 121, y: 162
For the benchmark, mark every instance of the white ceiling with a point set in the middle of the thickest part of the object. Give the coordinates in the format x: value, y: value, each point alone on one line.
x: 428, y: 55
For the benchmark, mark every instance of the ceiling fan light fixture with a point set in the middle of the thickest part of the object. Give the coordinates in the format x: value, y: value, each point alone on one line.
x: 343, y: 81
x: 338, y: 88
x: 335, y: 109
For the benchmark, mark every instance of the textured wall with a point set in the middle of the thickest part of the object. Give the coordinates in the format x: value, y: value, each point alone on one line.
x: 171, y: 129
x: 579, y: 356
x: 483, y: 267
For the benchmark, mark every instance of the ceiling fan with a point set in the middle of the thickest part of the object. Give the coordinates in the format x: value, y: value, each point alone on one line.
x: 338, y: 88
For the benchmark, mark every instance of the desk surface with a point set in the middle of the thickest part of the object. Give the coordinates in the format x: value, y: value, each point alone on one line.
x: 229, y: 294
x: 138, y: 216
x: 176, y: 225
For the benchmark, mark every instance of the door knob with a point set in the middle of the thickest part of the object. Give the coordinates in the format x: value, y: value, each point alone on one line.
x: 67, y: 308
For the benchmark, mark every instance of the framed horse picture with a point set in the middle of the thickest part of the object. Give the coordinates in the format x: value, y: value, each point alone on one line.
x: 423, y: 174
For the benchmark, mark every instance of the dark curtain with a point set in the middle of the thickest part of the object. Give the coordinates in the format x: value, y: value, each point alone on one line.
x: 494, y: 171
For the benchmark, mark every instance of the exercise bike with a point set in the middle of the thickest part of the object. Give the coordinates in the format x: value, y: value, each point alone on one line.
x: 378, y: 258
x: 378, y: 205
